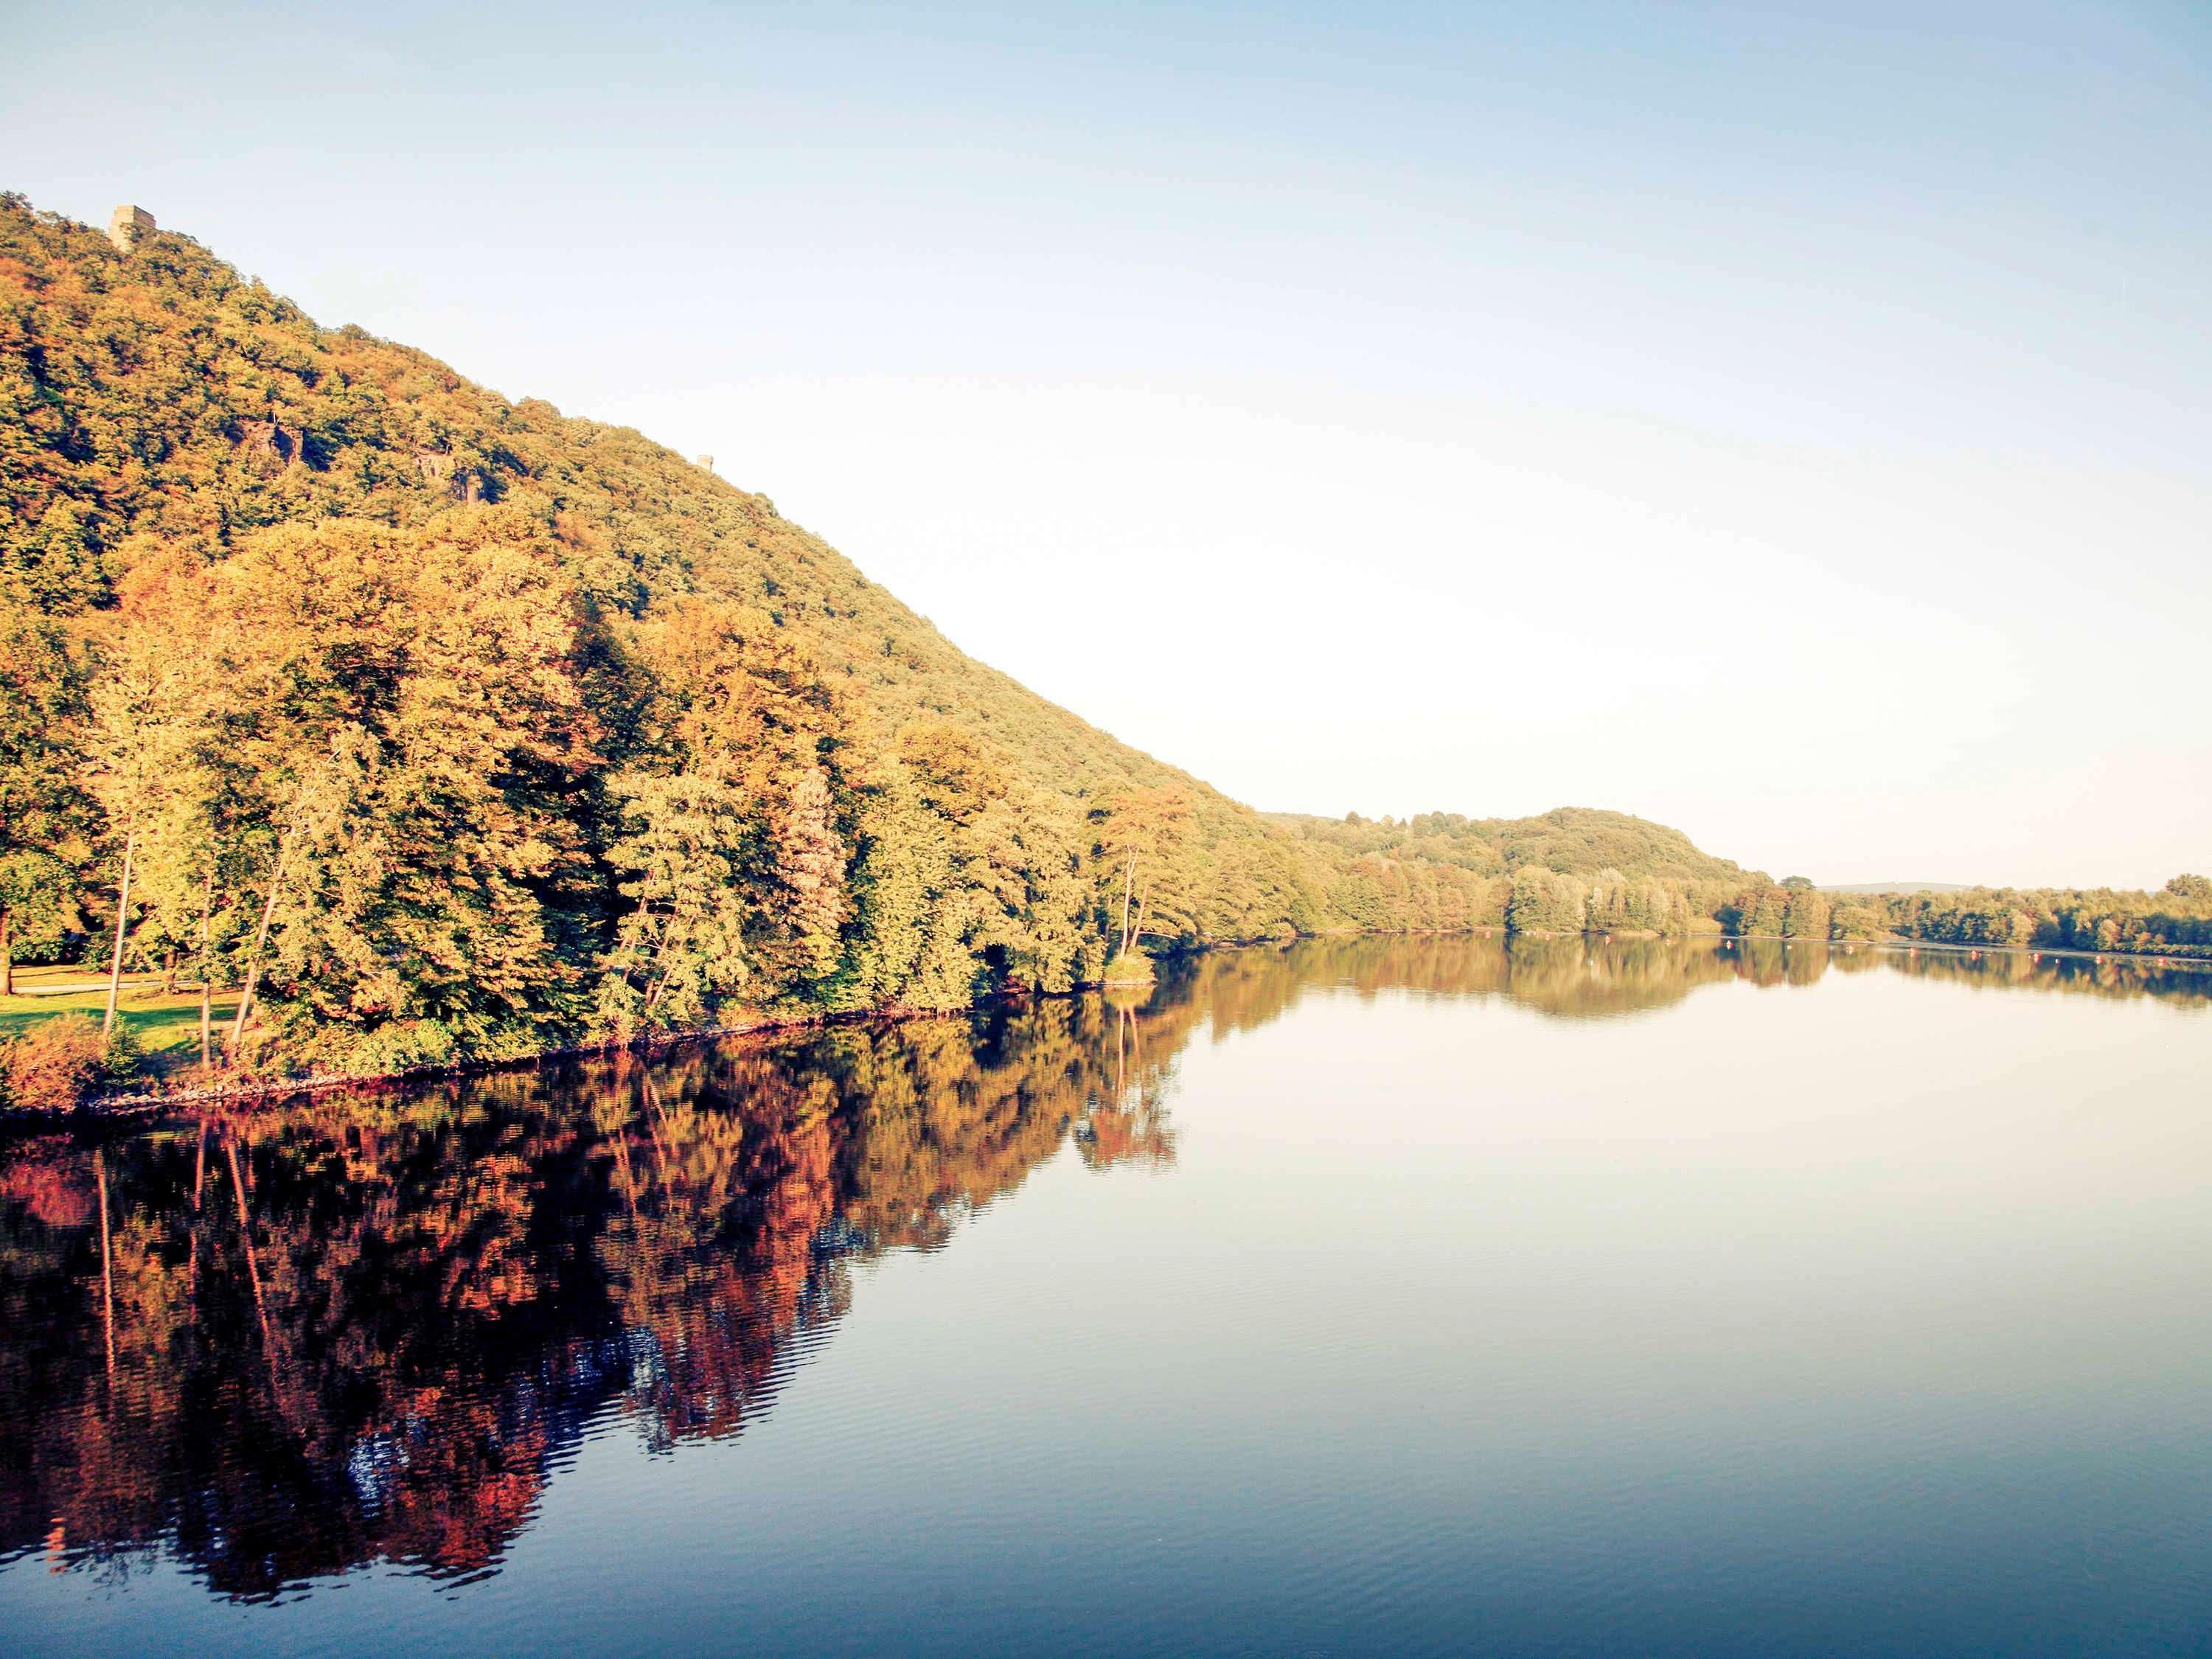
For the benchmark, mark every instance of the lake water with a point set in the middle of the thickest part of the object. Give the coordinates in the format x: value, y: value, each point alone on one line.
x: 1426, y: 1296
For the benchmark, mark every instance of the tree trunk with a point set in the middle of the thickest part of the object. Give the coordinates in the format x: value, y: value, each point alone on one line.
x: 260, y: 938
x: 1128, y: 880
x: 669, y: 942
x: 122, y: 915
x: 207, y: 976
x: 7, y: 954
x: 169, y: 972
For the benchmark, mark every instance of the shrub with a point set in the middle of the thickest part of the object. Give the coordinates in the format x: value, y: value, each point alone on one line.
x: 1132, y: 967
x: 119, y: 1059
x: 51, y: 1066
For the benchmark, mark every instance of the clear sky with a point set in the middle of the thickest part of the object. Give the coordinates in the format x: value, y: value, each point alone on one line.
x: 1791, y: 423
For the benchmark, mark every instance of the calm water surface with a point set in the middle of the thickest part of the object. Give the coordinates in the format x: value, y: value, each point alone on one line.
x: 1363, y: 1297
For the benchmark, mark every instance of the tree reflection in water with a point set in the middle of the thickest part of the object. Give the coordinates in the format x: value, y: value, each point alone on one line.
x: 282, y: 1343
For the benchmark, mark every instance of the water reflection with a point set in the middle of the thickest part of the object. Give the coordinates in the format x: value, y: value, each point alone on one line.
x: 279, y: 1345
x: 290, y: 1341
x: 1593, y: 978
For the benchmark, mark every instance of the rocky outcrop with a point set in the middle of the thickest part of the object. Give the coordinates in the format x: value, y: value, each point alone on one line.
x: 270, y: 445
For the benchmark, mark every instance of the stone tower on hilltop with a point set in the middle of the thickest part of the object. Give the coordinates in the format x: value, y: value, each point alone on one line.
x: 128, y: 226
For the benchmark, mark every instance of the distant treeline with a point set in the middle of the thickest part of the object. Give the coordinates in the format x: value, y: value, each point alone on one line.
x: 2175, y: 921
x: 1571, y: 871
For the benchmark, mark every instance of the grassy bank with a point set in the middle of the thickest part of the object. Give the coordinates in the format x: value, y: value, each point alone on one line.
x: 166, y: 1026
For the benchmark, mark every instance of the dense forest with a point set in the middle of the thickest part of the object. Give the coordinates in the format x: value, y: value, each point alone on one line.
x: 433, y: 727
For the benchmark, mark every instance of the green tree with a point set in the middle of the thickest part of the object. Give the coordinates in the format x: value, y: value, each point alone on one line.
x: 43, y: 806
x: 1545, y: 901
x: 1805, y: 912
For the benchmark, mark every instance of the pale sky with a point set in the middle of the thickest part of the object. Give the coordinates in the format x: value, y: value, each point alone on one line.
x: 1787, y: 422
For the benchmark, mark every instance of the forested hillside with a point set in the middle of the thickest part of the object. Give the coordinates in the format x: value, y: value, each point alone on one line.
x: 432, y: 727
x: 1561, y: 871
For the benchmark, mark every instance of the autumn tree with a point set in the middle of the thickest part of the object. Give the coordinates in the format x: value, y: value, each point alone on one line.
x: 732, y: 840
x: 1142, y: 836
x: 407, y: 727
x: 150, y: 723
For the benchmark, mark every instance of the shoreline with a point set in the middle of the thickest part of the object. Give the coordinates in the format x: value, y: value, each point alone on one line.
x: 1914, y: 946
x: 126, y: 1108
x: 107, y: 1108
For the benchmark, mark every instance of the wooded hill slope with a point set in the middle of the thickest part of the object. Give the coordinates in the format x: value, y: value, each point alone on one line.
x: 1574, y: 840
x: 532, y: 726
x: 448, y: 727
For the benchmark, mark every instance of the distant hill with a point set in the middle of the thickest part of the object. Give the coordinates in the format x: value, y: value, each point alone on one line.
x: 1874, y: 887
x: 1575, y: 840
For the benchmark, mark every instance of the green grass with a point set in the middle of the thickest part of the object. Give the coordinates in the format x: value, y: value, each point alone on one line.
x: 167, y: 1028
